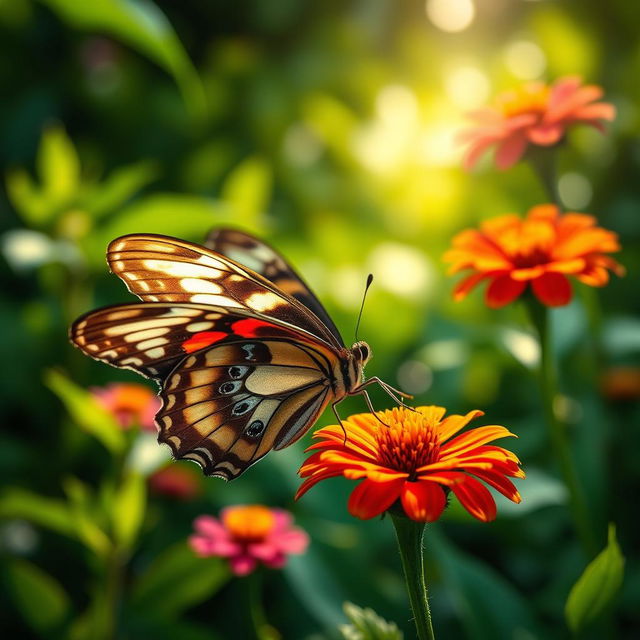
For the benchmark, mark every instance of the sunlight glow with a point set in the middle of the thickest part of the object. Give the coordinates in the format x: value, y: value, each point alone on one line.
x: 467, y: 87
x: 525, y: 60
x: 401, y: 269
x: 451, y: 16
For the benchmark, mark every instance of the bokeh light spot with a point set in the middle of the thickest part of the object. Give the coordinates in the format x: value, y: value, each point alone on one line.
x: 401, y: 269
x: 467, y: 87
x: 525, y: 60
x: 575, y: 190
x: 414, y: 377
x: 451, y: 16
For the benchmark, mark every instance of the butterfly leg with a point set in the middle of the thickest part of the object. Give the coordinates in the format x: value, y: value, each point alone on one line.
x: 370, y: 405
x: 334, y: 407
x: 389, y: 390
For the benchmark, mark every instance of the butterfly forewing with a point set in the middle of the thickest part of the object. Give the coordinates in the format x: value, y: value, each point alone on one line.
x: 227, y: 406
x: 266, y: 261
x: 163, y: 269
x: 152, y: 338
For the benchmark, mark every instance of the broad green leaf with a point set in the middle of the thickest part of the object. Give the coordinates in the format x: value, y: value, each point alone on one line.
x: 141, y: 25
x: 366, y: 624
x: 188, y: 578
x: 27, y: 198
x: 45, y: 512
x: 476, y: 588
x: 322, y: 596
x: 86, y: 412
x: 38, y: 597
x: 121, y: 185
x: 128, y: 509
x: 169, y: 214
x: 247, y: 190
x: 58, y: 167
x: 82, y: 504
x: 597, y: 587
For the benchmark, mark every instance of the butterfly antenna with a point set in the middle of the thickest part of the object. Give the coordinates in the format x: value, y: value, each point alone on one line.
x: 364, y: 297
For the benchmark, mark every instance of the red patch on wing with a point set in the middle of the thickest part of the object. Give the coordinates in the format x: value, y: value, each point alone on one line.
x: 250, y: 328
x: 203, y: 339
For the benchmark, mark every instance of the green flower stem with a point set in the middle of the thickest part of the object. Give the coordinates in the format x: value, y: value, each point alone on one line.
x: 409, y: 534
x: 262, y: 629
x: 543, y: 162
x: 539, y: 315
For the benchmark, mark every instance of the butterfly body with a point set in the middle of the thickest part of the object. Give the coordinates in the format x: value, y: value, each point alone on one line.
x: 246, y: 357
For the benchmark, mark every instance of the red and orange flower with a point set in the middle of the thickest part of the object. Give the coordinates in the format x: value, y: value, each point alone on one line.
x: 534, y: 113
x: 131, y: 404
x: 541, y: 251
x: 412, y: 457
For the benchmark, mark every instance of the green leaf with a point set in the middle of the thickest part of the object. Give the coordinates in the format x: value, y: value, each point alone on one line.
x: 82, y: 504
x: 58, y: 167
x: 323, y: 596
x: 45, y: 512
x: 169, y: 214
x: 141, y: 25
x: 476, y: 588
x: 366, y: 624
x: 86, y: 412
x: 128, y: 509
x: 597, y: 587
x: 27, y: 198
x: 40, y: 599
x: 121, y: 185
x: 247, y: 190
x: 189, y: 578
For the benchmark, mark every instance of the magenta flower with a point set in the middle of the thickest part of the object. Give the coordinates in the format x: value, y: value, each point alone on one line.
x: 130, y: 404
x: 248, y: 535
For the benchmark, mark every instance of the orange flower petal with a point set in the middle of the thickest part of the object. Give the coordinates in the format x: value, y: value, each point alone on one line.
x: 552, y: 289
x: 452, y: 424
x: 423, y: 501
x: 475, y: 498
x: 511, y: 150
x: 370, y: 499
x: 502, y: 291
x: 500, y: 483
x: 472, y: 439
x: 463, y: 288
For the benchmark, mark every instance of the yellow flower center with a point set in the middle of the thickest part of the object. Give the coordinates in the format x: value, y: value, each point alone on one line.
x: 531, y: 98
x: 409, y: 442
x: 249, y: 523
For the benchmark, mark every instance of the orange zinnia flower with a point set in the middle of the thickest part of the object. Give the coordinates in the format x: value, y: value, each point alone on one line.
x: 411, y: 456
x: 535, y: 113
x: 542, y: 250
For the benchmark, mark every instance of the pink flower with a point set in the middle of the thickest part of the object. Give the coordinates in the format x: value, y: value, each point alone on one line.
x: 129, y: 403
x: 176, y: 481
x: 248, y: 535
x: 536, y: 114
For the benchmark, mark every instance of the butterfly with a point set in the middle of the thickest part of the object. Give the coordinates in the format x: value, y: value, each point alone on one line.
x: 246, y: 357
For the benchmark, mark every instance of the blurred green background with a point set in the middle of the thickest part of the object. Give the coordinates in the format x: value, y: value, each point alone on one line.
x: 326, y: 128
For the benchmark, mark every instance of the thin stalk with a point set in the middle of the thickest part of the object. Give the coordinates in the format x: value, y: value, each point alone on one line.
x: 543, y: 162
x: 539, y: 315
x: 409, y: 534
x: 261, y: 627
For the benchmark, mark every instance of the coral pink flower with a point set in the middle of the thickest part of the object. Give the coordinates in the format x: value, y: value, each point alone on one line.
x: 534, y: 113
x: 248, y: 535
x: 176, y: 481
x: 130, y: 404
x: 541, y: 251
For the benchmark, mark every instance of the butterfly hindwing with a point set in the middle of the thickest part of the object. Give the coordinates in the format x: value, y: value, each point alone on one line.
x: 266, y: 261
x: 163, y: 269
x: 227, y: 406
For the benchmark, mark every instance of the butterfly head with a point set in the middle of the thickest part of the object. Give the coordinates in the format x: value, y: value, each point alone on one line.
x: 361, y: 352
